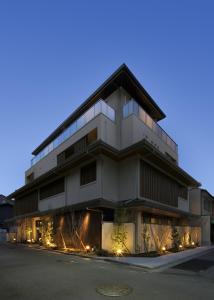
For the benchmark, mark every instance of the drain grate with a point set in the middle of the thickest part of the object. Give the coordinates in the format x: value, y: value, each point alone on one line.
x: 115, y: 290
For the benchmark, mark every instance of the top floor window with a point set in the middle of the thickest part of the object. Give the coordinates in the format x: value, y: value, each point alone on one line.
x: 101, y: 107
x: 88, y: 173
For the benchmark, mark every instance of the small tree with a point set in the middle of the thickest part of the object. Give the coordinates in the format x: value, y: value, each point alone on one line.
x: 119, y: 236
x: 47, y: 232
x: 176, y: 240
x: 146, y: 238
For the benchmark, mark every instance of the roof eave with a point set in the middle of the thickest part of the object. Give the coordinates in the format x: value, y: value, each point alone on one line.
x: 97, y: 94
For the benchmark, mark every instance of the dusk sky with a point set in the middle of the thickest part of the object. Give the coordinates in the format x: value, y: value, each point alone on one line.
x: 54, y: 54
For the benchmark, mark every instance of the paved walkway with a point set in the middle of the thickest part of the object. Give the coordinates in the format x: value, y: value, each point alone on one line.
x: 164, y: 261
x: 151, y: 263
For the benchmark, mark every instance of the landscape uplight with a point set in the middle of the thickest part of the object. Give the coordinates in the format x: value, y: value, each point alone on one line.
x: 119, y: 251
x: 87, y: 248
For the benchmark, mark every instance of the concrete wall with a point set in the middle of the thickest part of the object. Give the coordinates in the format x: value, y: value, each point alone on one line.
x: 107, y: 233
x: 119, y: 134
x: 183, y: 204
x: 77, y: 193
x: 205, y: 200
x: 120, y: 180
x: 115, y: 181
x: 161, y: 236
x: 52, y: 202
x: 129, y: 177
x: 205, y: 230
x: 195, y: 201
x: 74, y: 192
x: 134, y: 130
x: 110, y: 179
x: 106, y: 132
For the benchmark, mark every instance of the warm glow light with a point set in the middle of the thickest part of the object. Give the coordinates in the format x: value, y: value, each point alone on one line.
x: 29, y: 241
x: 14, y: 239
x: 193, y: 243
x: 119, y: 251
x: 180, y: 246
x: 163, y: 248
x: 87, y: 247
x: 85, y: 222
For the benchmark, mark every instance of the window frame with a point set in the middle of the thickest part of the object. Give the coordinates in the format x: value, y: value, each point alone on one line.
x: 83, y: 177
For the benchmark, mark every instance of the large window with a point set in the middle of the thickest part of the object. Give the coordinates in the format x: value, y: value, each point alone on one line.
x: 88, y: 173
x: 101, y: 107
x: 52, y: 189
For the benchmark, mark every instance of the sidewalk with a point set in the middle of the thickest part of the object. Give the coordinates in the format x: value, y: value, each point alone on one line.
x: 150, y: 263
x: 161, y: 262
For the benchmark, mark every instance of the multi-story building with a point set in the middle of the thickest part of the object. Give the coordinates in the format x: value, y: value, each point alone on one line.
x: 202, y: 204
x: 6, y: 210
x: 110, y: 153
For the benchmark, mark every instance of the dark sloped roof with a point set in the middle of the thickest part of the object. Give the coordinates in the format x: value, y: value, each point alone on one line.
x: 208, y: 193
x: 121, y: 77
x: 4, y: 200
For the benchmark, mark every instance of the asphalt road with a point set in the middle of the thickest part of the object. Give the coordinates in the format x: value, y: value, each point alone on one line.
x: 37, y: 274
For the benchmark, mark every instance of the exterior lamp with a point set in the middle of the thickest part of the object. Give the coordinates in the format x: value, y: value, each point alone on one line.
x: 193, y: 243
x: 87, y: 248
x: 163, y: 248
x: 119, y: 251
x: 180, y: 246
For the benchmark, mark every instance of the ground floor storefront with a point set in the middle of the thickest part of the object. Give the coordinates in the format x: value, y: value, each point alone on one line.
x: 124, y: 230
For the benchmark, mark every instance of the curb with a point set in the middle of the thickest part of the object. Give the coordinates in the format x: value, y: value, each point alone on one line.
x: 147, y: 268
x: 164, y: 266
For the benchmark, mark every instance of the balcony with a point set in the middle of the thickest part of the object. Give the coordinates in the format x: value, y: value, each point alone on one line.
x: 132, y: 107
x: 98, y: 108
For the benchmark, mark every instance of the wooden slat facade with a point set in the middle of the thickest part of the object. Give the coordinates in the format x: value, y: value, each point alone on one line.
x: 157, y: 186
x: 78, y: 229
x: 26, y: 204
x: 52, y: 189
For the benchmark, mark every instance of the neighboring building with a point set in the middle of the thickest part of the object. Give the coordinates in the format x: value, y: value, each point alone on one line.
x: 6, y: 210
x: 202, y: 204
x: 111, y: 152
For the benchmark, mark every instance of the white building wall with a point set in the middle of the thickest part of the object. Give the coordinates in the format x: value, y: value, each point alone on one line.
x: 134, y: 130
x: 52, y: 202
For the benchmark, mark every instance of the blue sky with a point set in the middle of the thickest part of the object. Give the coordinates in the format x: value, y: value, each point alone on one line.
x: 54, y: 54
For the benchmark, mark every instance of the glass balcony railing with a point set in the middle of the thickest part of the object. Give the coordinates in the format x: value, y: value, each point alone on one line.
x: 132, y: 107
x: 98, y: 108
